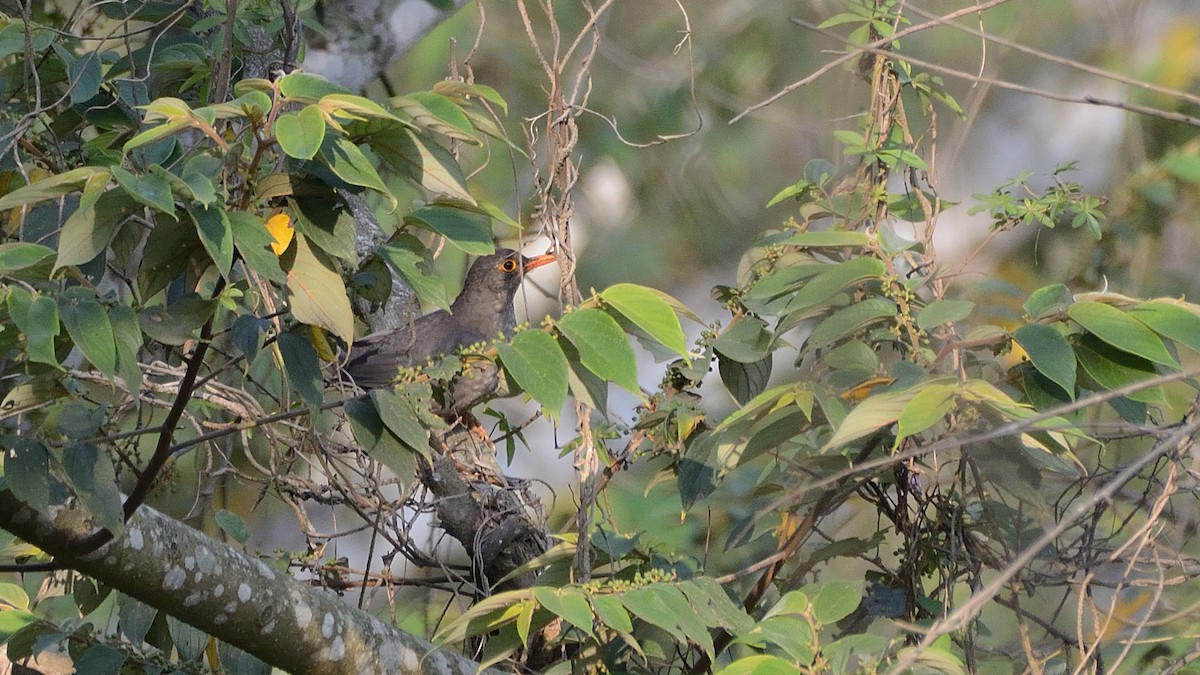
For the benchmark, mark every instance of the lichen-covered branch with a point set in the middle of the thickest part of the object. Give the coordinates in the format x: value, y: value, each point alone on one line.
x: 233, y: 596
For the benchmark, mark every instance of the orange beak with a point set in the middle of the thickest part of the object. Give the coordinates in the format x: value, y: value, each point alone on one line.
x: 537, y: 261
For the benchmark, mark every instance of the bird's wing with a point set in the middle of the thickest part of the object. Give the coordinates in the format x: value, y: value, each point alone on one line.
x: 375, y: 358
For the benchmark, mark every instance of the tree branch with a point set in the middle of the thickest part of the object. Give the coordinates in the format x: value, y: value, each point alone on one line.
x: 232, y: 596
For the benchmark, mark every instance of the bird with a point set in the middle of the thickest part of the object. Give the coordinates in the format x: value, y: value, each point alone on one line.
x: 482, y: 311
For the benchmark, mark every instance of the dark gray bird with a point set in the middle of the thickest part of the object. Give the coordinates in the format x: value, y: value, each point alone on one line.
x: 481, y: 312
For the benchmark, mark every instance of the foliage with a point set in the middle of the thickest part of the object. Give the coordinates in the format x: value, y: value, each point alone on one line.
x: 181, y: 265
x: 168, y: 258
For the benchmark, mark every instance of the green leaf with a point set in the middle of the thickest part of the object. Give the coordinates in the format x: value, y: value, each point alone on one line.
x: 14, y: 620
x: 348, y: 106
x: 87, y: 323
x: 12, y: 37
x: 1113, y: 368
x: 189, y: 641
x: 713, y: 605
x: 685, y: 615
x: 216, y: 234
x: 835, y: 601
x: 759, y: 664
x: 942, y: 312
x: 425, y: 162
x: 316, y: 293
x: 862, y: 647
x: 254, y: 104
x: 853, y: 356
x: 349, y: 163
x: 247, y: 335
x: 471, y: 234
x: 828, y: 239
x: 234, y: 660
x: 849, y: 320
x: 398, y: 411
x: 583, y: 383
x: 791, y: 633
x: 14, y: 596
x: 651, y: 607
x: 460, y: 89
x: 149, y: 189
x: 569, y: 603
x: 302, y: 368
x: 166, y: 255
x: 54, y: 186
x: 835, y: 279
x: 797, y: 190
x: 253, y: 242
x: 747, y: 340
x: 536, y: 362
x: 301, y: 134
x: 926, y: 408
x: 91, y: 474
x: 408, y: 256
x: 873, y: 414
x: 90, y: 229
x: 41, y: 327
x: 799, y: 394
x: 232, y: 525
x: 744, y: 381
x: 19, y: 255
x: 485, y: 616
x: 1048, y: 299
x: 178, y: 322
x: 167, y: 108
x: 792, y: 603
x: 1050, y: 354
x: 327, y: 223
x: 771, y: 292
x: 1176, y: 321
x: 27, y: 471
x: 198, y: 174
x: 249, y: 85
x: 378, y: 441
x: 80, y: 419
x: 128, y: 337
x: 438, y: 114
x: 910, y: 206
x: 1121, y: 331
x: 156, y: 133
x: 612, y: 613
x: 498, y: 214
x: 648, y: 311
x: 307, y: 87
x: 603, y: 347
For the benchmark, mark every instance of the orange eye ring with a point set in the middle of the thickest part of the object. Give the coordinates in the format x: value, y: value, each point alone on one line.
x: 509, y: 265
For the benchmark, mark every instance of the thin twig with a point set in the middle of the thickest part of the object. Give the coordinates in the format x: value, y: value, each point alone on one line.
x: 959, y: 617
x: 846, y: 58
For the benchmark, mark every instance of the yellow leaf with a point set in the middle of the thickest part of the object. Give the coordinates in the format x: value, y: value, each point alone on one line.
x: 863, y: 389
x: 280, y: 227
x: 316, y: 292
x: 1013, y: 356
x: 324, y: 350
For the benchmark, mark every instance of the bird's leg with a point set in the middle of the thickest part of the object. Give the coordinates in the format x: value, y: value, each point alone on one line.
x: 472, y: 457
x: 469, y: 420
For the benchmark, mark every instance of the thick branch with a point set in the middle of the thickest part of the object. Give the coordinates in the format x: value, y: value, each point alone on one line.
x: 486, y: 516
x: 233, y: 596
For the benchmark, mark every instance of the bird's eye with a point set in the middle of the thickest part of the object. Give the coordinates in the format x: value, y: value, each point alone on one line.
x: 509, y: 265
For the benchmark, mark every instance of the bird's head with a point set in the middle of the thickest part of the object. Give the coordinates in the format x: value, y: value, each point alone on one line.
x: 493, y: 280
